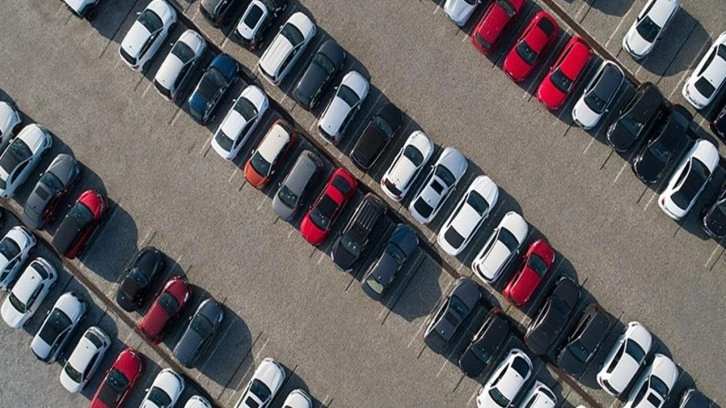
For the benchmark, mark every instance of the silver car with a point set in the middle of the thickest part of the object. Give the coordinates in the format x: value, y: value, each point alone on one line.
x: 287, y: 198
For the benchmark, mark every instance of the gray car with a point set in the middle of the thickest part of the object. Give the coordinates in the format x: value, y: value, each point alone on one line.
x: 287, y: 198
x: 401, y: 246
x: 199, y: 333
x: 455, y: 308
x: 53, y: 185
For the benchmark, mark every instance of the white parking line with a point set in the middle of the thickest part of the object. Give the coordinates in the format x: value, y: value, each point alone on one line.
x: 126, y: 340
x: 622, y: 20
x: 592, y: 140
x: 438, y: 6
x: 214, y: 350
x: 143, y: 94
x: 650, y: 201
x: 206, y: 145
x: 584, y: 4
x: 264, y: 200
x: 233, y: 173
x: 291, y: 232
x: 625, y: 164
x: 713, y: 253
x: 310, y: 129
x: 323, y: 255
x: 473, y: 396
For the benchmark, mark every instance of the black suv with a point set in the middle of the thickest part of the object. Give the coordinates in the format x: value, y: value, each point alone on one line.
x: 349, y: 245
x: 714, y: 216
x: 546, y: 328
x: 326, y: 63
x: 665, y: 147
x: 584, y: 341
x: 646, y: 108
x: 485, y: 345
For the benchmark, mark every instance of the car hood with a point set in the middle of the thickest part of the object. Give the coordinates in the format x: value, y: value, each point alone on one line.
x: 567, y: 362
x: 155, y: 319
x: 466, y: 221
x: 637, y: 44
x: 525, y: 285
x: 649, y: 167
x: 455, y: 161
x: 334, y: 116
x: 128, y: 291
x: 385, y: 269
x: 187, y: 346
x: 495, y: 259
x: 135, y: 39
x: 10, y: 315
x: 401, y: 174
x: 459, y: 10
x: 312, y: 80
x: 311, y: 232
x: 470, y: 364
x: 342, y: 258
x: 549, y: 93
x: 369, y: 145
x: 665, y: 369
x: 270, y: 374
x: 623, y: 372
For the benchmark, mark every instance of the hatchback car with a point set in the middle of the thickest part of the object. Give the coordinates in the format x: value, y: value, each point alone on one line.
x: 287, y: 199
x: 327, y: 61
x: 485, y: 345
x: 625, y: 359
x: 452, y: 311
x: 10, y: 123
x: 564, y: 73
x: 264, y: 385
x: 81, y: 221
x: 709, y: 76
x: 400, y: 247
x: 165, y: 308
x: 636, y: 120
x: 298, y: 398
x: 349, y: 97
x: 353, y: 238
x: 649, y: 27
x: 199, y: 333
x: 28, y: 293
x: 445, y: 174
x: 217, y: 79
x: 538, y: 260
x: 241, y: 121
x: 506, y: 381
x: 459, y: 11
x: 664, y: 148
x: 539, y: 396
x: 56, y: 330
x: 410, y: 160
x: 501, y: 248
x: 146, y: 36
x: 15, y: 249
x: 544, y: 331
x: 655, y: 385
x: 85, y: 359
x: 179, y: 64
x: 146, y: 265
x: 468, y: 216
x: 256, y: 19
x: 197, y: 401
x: 119, y: 380
x: 713, y: 220
x: 376, y: 136
x: 339, y: 189
x: 217, y: 12
x: 286, y: 48
x: 689, y: 180
x: 164, y: 391
x: 584, y: 341
x: 53, y: 185
x: 278, y: 141
x: 531, y: 46
x: 21, y: 157
x: 598, y: 96
x: 493, y: 23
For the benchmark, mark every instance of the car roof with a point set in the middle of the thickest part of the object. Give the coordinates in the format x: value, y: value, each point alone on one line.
x: 662, y: 10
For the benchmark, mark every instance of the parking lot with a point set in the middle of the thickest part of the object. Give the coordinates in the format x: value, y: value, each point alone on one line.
x: 284, y: 298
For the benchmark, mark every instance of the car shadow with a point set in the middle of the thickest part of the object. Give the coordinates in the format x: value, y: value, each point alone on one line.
x: 588, y: 377
x: 420, y: 293
x: 114, y: 18
x: 613, y: 8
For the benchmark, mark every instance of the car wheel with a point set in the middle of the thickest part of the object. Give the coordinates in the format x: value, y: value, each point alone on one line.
x: 91, y: 13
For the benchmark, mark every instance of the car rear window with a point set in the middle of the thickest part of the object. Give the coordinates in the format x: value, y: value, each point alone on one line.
x: 507, y: 7
x: 704, y: 87
x: 253, y: 16
x: 546, y: 26
x: 341, y: 184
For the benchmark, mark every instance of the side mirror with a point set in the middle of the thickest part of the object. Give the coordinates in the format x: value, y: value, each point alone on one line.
x: 138, y: 13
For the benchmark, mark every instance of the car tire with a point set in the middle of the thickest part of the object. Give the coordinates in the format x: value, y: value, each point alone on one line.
x: 92, y: 13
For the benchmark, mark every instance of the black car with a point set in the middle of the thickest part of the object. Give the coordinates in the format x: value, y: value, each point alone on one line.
x: 217, y: 79
x: 199, y: 333
x: 256, y: 20
x: 693, y: 398
x: 485, y: 345
x: 52, y: 186
x: 400, y: 248
x: 217, y: 11
x: 646, y: 108
x: 718, y: 125
x: 584, y: 341
x: 381, y: 129
x: 546, y: 328
x: 351, y: 241
x: 326, y: 63
x: 456, y: 307
x: 714, y: 216
x: 139, y: 276
x: 663, y: 150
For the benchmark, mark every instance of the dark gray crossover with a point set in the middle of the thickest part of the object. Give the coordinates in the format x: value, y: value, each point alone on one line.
x: 546, y: 328
x: 354, y: 237
x: 454, y: 309
x: 636, y: 120
x: 668, y: 143
x: 326, y: 63
x: 401, y: 246
x: 62, y: 173
x: 584, y: 341
x: 485, y: 345
x: 199, y: 333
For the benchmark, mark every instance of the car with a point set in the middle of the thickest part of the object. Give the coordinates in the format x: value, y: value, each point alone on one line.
x: 85, y: 359
x: 459, y: 11
x: 584, y: 341
x: 664, y: 148
x: 546, y: 328
x: 298, y: 398
x: 256, y: 19
x: 485, y: 345
x: 349, y: 97
x: 353, y: 238
x: 197, y: 401
x: 689, y: 180
x: 532, y: 45
x: 538, y: 260
x: 693, y: 398
x: 199, y: 333
x: 179, y: 64
x: 501, y: 248
x: 406, y: 166
x: 468, y: 215
x: 146, y: 36
x: 56, y: 330
x: 383, y: 127
x: 709, y: 76
x: 165, y: 308
x: 718, y: 124
x: 636, y: 120
x: 53, y: 185
x: 83, y: 8
x: 119, y: 380
x: 287, y: 199
x: 263, y: 386
x: 455, y: 307
x: 539, y: 396
x: 277, y: 143
x: 240, y: 122
x: 649, y: 27
x: 598, y: 95
x: 625, y: 359
x: 10, y: 123
x: 286, y: 48
x: 28, y: 293
x: 21, y: 157
x: 164, y: 391
x: 506, y: 381
x: 400, y: 247
x: 564, y: 73
x: 339, y: 189
x: 15, y: 249
x: 139, y: 276
x: 327, y: 62
x: 217, y: 12
x: 443, y: 177
x: 493, y: 23
x: 713, y: 217
x: 80, y: 222
x: 217, y: 79
x: 654, y: 386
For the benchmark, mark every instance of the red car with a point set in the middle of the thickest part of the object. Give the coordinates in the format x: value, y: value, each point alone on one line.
x: 536, y: 263
x: 119, y: 380
x: 558, y: 83
x: 541, y: 32
x: 338, y: 190
x: 166, y: 307
x: 493, y: 22
x: 79, y: 223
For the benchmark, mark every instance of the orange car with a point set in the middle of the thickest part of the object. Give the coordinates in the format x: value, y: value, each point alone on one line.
x: 273, y: 147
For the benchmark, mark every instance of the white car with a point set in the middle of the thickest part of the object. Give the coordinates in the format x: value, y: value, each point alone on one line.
x: 10, y: 122
x: 263, y: 386
x: 21, y: 157
x: 709, y: 76
x: 147, y: 35
x: 286, y: 48
x: 506, y: 381
x: 469, y: 215
x: 255, y: 20
x: 56, y: 330
x: 84, y: 359
x: 413, y: 156
x: 28, y: 293
x: 443, y: 177
x: 501, y: 248
x: 197, y: 401
x: 348, y: 98
x: 689, y: 179
x: 298, y: 398
x: 179, y: 64
x: 15, y: 248
x: 240, y: 122
x: 539, y: 396
x: 459, y: 11
x: 164, y: 391
x: 649, y: 27
x: 598, y: 96
x: 83, y: 8
x: 625, y: 359
x: 654, y: 386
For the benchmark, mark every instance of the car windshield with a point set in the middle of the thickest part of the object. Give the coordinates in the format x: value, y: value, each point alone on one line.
x: 260, y: 165
x: 422, y: 207
x: 341, y: 184
x: 245, y: 108
x: 507, y: 7
x: 705, y: 87
x: 293, y: 35
x: 396, y: 253
x: 498, y: 397
x: 559, y: 306
x: 150, y: 20
x: 253, y: 16
x: 260, y: 390
x: 159, y: 397
x: 16, y: 153
x: 224, y: 141
x: 169, y: 303
x: 579, y: 351
x: 560, y: 80
x: 55, y: 324
x: 9, y: 249
x: 348, y: 95
x: 212, y: 81
x: 520, y: 366
x: 17, y: 304
x: 138, y: 276
x: 324, y: 62
x: 477, y: 202
x: 287, y: 197
x: 383, y: 126
x: 459, y: 307
x: 631, y: 125
x: 660, y: 151
x: 374, y: 284
x: 113, y: 388
x: 508, y: 239
x: 202, y: 326
x: 453, y: 237
x: 350, y: 244
x: 81, y: 213
x: 72, y: 373
x: 595, y: 103
x: 320, y: 215
x: 445, y: 175
x: 696, y: 178
x: 527, y: 54
x: 659, y: 386
x: 483, y: 355
x: 51, y: 181
x: 634, y: 350
x: 537, y: 264
x: 648, y: 29
x: 413, y: 154
x: 182, y: 51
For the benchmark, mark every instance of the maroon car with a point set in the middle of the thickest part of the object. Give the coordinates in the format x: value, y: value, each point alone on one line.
x: 166, y: 307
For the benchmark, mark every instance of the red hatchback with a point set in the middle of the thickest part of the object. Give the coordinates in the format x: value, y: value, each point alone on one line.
x: 535, y: 265
x: 493, y: 22
x: 531, y: 46
x: 80, y: 222
x: 317, y: 222
x: 166, y: 307
x: 564, y: 72
x: 119, y: 380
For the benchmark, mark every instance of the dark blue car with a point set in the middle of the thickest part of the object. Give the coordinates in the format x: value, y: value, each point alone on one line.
x: 221, y: 74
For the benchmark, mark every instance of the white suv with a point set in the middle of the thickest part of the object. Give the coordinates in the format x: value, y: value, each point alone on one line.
x: 286, y: 48
x: 240, y: 122
x: 28, y: 293
x: 178, y: 66
x: 708, y: 77
x: 648, y: 28
x: 145, y: 37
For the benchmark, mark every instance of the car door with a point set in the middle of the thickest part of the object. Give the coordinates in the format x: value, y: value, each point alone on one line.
x: 89, y: 367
